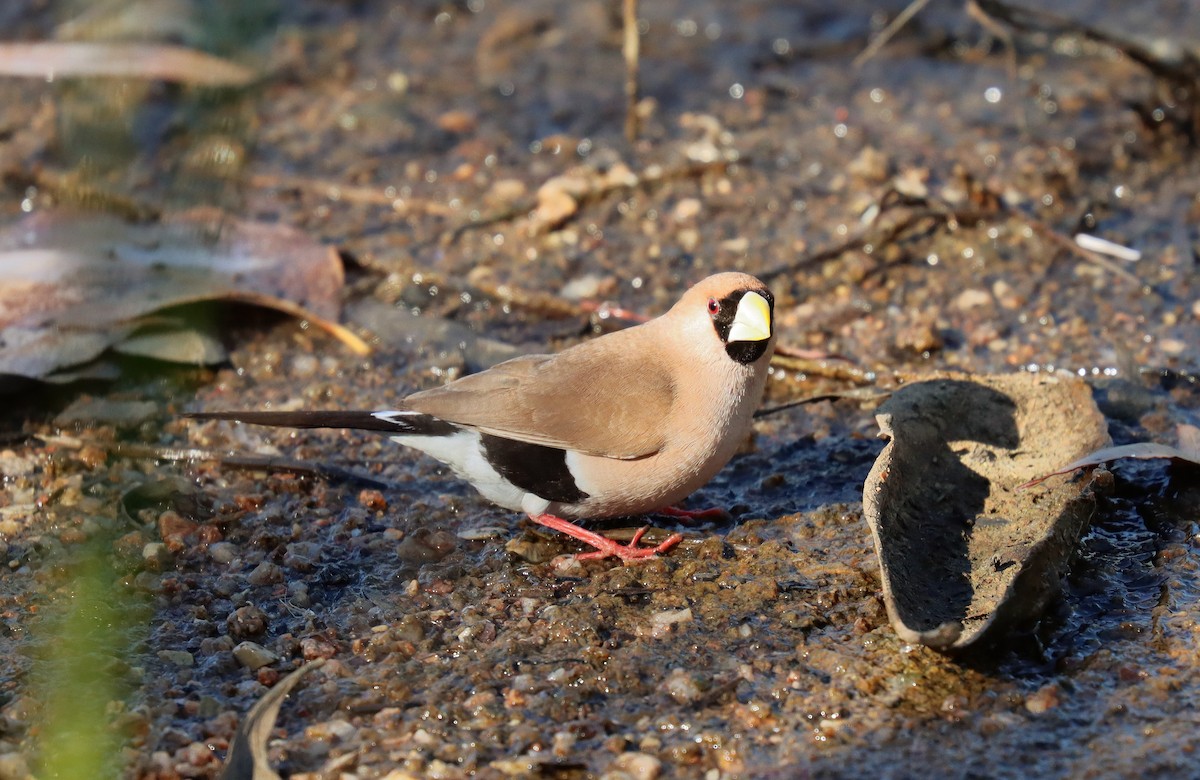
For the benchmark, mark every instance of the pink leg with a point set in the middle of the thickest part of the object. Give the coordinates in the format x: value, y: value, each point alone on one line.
x: 606, y: 547
x: 716, y: 514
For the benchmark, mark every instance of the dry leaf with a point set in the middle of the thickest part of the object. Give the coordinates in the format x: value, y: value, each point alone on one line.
x: 247, y: 758
x: 72, y: 285
x: 1188, y: 450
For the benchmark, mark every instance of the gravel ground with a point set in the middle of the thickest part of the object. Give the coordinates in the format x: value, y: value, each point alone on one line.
x: 912, y: 215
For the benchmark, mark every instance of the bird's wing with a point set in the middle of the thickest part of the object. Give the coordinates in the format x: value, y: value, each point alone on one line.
x: 599, y: 400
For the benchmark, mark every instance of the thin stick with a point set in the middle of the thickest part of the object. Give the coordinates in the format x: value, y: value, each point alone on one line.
x: 881, y: 40
x: 630, y: 50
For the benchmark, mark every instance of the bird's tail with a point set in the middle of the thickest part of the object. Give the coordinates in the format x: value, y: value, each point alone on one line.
x: 395, y: 422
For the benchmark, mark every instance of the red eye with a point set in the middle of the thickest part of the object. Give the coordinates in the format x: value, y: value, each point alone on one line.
x: 713, y: 306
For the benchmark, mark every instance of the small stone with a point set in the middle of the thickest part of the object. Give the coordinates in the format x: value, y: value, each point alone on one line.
x: 14, y: 767
x: 129, y: 546
x: 298, y: 595
x: 373, y: 500
x: 302, y: 556
x: 222, y: 552
x: 870, y: 164
x: 912, y: 182
x: 174, y: 530
x: 555, y: 206
x: 265, y: 573
x: 13, y: 465
x: 971, y: 298
x: 180, y: 658
x: 639, y: 766
x: 507, y: 191
x: 305, y: 366
x: 253, y: 655
x: 682, y: 687
x: 246, y: 621
x: 457, y: 121
x: 147, y: 582
x: 736, y: 246
x: 72, y: 536
x: 312, y: 648
x: 660, y: 623
x: 920, y: 337
x: 686, y: 210
x: 155, y: 553
x: 1043, y: 699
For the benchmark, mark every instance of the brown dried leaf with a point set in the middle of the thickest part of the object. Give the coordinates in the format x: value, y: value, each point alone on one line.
x: 247, y: 758
x: 1188, y: 450
x: 72, y: 285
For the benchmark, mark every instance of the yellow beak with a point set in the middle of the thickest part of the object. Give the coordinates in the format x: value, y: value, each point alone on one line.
x: 752, y: 320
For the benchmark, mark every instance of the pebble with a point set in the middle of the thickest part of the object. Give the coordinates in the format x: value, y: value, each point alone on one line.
x: 686, y: 210
x: 507, y: 191
x: 457, y: 121
x: 555, y: 206
x: 155, y: 553
x: 870, y: 164
x: 1043, y: 699
x: 180, y: 658
x: 971, y: 298
x: 174, y: 529
x: 305, y: 366
x: 312, y: 648
x: 253, y: 655
x: 13, y: 465
x: 682, y: 687
x: 660, y: 623
x: 222, y: 552
x: 638, y: 766
x: 265, y: 573
x: 373, y: 500
x: 246, y: 621
x: 14, y: 767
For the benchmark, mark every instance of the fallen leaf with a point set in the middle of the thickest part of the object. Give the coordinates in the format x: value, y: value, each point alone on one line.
x: 1188, y: 450
x: 73, y: 285
x: 247, y: 758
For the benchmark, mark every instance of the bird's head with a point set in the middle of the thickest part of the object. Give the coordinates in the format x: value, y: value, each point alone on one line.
x: 740, y: 310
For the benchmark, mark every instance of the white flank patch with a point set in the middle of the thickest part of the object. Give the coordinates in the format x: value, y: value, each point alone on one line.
x: 463, y: 453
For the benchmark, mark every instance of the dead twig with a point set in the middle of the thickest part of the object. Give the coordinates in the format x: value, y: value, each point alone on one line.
x: 985, y: 206
x: 825, y: 368
x: 860, y: 395
x: 630, y: 52
x: 887, y: 33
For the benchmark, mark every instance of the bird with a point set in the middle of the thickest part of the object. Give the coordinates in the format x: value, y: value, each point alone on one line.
x: 628, y: 423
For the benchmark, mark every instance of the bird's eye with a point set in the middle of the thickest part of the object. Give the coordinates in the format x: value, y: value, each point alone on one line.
x: 713, y: 306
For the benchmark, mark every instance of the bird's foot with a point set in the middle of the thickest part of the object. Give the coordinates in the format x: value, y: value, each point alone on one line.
x: 713, y: 514
x: 605, y: 547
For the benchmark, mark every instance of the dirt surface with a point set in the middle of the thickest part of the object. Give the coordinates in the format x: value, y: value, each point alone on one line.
x: 911, y: 215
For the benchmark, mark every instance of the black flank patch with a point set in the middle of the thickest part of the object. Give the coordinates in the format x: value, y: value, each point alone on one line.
x: 535, y: 468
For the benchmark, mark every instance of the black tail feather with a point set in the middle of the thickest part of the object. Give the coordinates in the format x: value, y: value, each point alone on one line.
x: 385, y: 422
